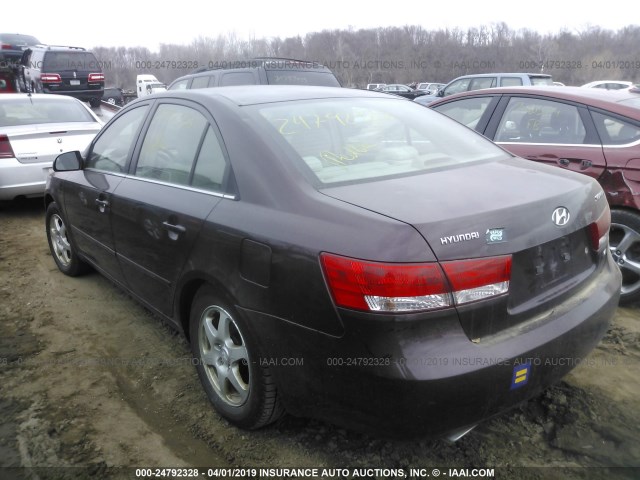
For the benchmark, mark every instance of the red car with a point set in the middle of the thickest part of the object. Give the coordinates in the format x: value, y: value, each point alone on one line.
x: 593, y: 132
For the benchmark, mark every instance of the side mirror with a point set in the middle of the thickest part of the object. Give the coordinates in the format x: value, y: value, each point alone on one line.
x: 67, y: 162
x: 440, y: 92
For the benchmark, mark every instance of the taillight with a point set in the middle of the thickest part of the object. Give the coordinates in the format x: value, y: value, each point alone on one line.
x: 96, y: 77
x: 50, y: 78
x: 599, y: 230
x: 5, y: 147
x: 410, y: 287
x: 5, y: 46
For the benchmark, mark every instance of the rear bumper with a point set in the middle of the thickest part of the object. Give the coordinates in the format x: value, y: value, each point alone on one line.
x: 22, y: 179
x: 83, y: 95
x: 420, y: 374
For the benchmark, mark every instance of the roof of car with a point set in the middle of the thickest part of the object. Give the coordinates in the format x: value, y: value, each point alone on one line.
x: 506, y: 74
x: 589, y: 96
x: 257, y: 94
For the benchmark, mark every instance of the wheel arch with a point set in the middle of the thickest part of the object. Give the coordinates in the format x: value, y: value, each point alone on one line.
x: 188, y: 291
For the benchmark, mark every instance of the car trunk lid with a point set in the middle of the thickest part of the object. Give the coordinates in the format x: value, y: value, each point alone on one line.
x: 43, y: 143
x: 492, y: 209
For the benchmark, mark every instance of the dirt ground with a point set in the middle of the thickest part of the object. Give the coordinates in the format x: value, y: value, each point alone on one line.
x: 90, y: 381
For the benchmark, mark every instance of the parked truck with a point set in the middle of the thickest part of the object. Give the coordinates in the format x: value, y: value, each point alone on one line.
x: 148, y: 84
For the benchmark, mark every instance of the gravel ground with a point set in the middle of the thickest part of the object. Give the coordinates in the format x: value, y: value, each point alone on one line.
x: 92, y: 386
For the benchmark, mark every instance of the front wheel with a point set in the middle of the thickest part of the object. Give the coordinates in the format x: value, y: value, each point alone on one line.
x: 241, y: 390
x: 60, y: 244
x: 624, y: 242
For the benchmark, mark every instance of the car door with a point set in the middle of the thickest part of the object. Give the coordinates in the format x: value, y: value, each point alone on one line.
x: 179, y: 177
x: 87, y: 194
x: 549, y: 131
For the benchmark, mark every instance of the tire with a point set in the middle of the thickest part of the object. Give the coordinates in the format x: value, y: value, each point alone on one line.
x: 241, y: 390
x: 60, y: 244
x: 94, y: 102
x: 624, y: 242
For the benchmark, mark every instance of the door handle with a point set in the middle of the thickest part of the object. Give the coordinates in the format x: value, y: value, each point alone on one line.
x: 103, y: 205
x: 586, y: 164
x: 564, y: 162
x: 174, y: 231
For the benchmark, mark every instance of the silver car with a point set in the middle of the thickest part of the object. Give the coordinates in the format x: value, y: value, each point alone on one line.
x: 34, y: 130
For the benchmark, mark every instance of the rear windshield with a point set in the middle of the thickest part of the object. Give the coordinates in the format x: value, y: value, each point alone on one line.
x: 61, y: 61
x: 349, y: 140
x: 32, y: 111
x: 298, y: 77
x: 541, y: 81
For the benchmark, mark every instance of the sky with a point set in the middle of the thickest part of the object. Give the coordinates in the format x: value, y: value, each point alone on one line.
x: 149, y: 23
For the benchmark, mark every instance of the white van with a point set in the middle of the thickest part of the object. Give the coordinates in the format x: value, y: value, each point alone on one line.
x: 148, y: 84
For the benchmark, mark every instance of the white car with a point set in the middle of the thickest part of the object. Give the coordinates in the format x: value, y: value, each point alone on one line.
x: 609, y: 84
x: 34, y: 130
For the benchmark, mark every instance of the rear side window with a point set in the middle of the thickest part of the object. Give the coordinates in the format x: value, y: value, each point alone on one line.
x: 171, y: 144
x: 182, y: 148
x: 614, y: 131
x: 467, y: 111
x: 237, y: 78
x: 211, y: 166
x: 511, y: 82
x: 111, y: 150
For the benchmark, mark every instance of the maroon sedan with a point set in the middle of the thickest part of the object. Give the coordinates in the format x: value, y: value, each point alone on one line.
x: 596, y: 133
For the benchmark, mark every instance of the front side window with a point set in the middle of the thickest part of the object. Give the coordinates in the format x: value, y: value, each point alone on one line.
x: 111, y: 150
x: 181, y: 85
x: 347, y: 140
x: 533, y: 120
x: 200, y: 82
x: 457, y: 86
x: 482, y: 82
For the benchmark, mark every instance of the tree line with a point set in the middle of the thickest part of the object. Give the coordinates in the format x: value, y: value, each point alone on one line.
x: 400, y: 54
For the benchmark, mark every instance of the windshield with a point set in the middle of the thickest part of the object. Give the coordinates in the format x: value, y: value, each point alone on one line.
x: 33, y: 111
x: 346, y: 140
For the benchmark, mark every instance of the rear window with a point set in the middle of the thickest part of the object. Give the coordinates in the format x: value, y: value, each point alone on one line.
x: 297, y: 77
x: 347, y: 140
x: 60, y: 61
x: 26, y: 111
x: 537, y: 81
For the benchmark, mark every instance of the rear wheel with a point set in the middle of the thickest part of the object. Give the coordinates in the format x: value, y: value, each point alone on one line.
x: 241, y: 390
x: 62, y: 249
x: 624, y: 242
